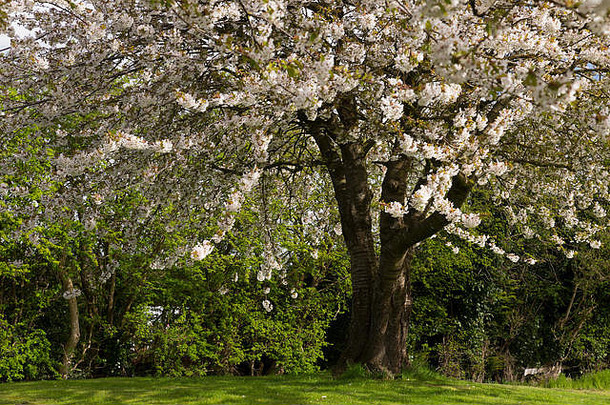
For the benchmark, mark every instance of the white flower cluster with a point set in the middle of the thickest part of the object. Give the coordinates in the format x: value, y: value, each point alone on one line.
x: 308, y: 98
x: 497, y: 168
x: 439, y: 93
x: 484, y: 241
x: 232, y: 205
x: 406, y: 61
x: 557, y: 239
x: 267, y: 305
x: 269, y: 265
x: 419, y: 199
x: 250, y: 179
x: 260, y: 68
x: 470, y: 220
x: 391, y: 108
x: 408, y: 145
x: 395, y: 209
x: 234, y: 201
x: 260, y: 142
x: 598, y: 210
x: 130, y: 141
x: 202, y: 250
x: 189, y: 102
x: 434, y: 191
x: 528, y: 233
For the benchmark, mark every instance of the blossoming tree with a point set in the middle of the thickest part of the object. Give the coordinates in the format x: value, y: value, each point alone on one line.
x: 406, y: 104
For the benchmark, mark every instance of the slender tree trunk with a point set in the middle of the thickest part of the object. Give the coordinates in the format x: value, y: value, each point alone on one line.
x: 110, y: 309
x: 74, y: 335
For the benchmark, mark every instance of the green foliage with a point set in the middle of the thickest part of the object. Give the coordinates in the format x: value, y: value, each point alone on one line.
x: 480, y: 317
x: 206, y: 321
x: 599, y: 380
x: 354, y: 371
x: 455, y: 298
x: 420, y: 371
x: 24, y: 355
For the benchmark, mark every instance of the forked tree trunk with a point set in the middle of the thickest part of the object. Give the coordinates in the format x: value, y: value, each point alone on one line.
x: 380, y: 284
x: 378, y: 334
x: 381, y: 301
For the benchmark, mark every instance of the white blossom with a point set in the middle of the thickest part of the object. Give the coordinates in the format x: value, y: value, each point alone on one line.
x: 391, y: 108
x: 498, y: 168
x: 395, y: 209
x: 201, y: 250
x: 528, y: 233
x: 471, y: 220
x: 598, y: 210
x: 420, y: 198
x: 267, y: 305
x: 557, y: 239
x: 176, y: 102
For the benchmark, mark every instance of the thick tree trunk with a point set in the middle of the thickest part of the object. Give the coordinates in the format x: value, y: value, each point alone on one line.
x: 381, y: 301
x: 386, y: 348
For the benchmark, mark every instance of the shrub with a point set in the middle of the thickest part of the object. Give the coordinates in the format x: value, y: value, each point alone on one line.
x: 24, y: 355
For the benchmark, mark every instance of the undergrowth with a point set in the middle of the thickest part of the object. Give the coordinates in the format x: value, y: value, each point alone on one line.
x: 599, y: 380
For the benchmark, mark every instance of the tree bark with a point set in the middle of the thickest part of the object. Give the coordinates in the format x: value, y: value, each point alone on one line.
x: 74, y: 336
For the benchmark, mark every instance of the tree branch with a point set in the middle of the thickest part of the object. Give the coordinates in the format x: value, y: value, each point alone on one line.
x: 418, y: 229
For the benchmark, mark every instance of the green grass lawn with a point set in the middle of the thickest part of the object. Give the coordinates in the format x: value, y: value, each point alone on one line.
x: 317, y: 389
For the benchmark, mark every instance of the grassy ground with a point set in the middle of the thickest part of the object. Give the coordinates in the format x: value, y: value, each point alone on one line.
x: 318, y: 389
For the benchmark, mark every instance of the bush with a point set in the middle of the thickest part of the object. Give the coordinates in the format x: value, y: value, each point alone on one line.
x: 24, y: 355
x: 196, y: 322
